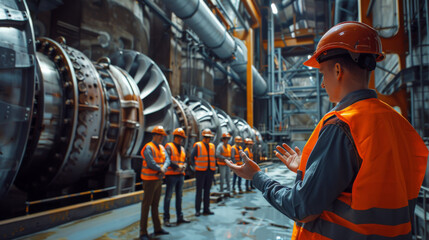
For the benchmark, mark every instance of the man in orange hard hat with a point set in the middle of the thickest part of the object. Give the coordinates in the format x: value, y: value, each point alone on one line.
x: 174, y: 177
x: 154, y: 164
x: 204, y: 161
x: 359, y: 175
x: 223, y: 152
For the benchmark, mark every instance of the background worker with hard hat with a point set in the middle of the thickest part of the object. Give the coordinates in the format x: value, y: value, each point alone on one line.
x: 175, y: 176
x: 223, y: 152
x: 154, y: 164
x: 236, y: 158
x: 249, y: 152
x: 204, y: 161
x: 359, y: 175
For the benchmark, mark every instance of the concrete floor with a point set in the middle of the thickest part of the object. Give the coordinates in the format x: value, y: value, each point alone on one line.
x: 245, y: 216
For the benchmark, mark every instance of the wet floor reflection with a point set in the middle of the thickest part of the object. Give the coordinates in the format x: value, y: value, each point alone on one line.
x: 244, y: 216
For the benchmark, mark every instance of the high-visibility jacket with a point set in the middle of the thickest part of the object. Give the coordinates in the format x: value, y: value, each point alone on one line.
x: 177, y: 158
x: 205, y: 158
x: 226, y: 153
x: 380, y: 205
x: 158, y: 156
x: 237, y: 157
x: 249, y: 153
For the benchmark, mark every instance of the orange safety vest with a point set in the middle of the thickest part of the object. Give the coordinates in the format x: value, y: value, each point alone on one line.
x: 158, y: 156
x: 226, y: 153
x: 204, y: 158
x: 176, y: 158
x: 249, y: 153
x: 237, y: 157
x: 390, y: 176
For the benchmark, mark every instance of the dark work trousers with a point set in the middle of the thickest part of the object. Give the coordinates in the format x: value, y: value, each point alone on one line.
x: 173, y: 183
x: 204, y: 182
x: 239, y: 182
x: 152, y: 193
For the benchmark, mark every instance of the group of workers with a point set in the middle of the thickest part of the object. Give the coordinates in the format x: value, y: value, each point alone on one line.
x: 169, y: 163
x: 359, y: 174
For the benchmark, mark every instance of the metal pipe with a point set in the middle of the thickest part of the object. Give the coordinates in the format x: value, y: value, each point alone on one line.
x: 422, y: 110
x: 202, y: 21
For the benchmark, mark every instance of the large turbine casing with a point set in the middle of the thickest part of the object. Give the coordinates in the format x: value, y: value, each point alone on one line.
x: 86, y: 116
x: 17, y: 80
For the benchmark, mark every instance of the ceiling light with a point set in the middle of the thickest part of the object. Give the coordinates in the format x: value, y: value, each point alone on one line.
x: 274, y: 8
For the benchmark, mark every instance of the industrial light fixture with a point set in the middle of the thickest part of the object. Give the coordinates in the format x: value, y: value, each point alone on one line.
x: 274, y: 8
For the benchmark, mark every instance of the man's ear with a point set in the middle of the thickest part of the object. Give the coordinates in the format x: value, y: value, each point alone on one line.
x: 338, y: 71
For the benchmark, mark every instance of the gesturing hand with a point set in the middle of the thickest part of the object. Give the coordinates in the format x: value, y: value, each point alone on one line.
x: 288, y: 156
x: 247, y: 170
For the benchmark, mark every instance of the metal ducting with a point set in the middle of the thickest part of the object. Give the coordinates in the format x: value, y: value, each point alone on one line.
x: 88, y: 116
x: 17, y: 79
x: 203, y: 22
x: 154, y: 90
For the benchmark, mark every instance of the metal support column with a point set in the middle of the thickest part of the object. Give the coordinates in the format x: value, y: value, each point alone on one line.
x: 272, y: 103
x: 249, y: 45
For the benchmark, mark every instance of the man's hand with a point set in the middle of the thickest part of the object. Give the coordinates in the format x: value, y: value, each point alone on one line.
x: 162, y: 170
x: 288, y: 156
x: 247, y: 170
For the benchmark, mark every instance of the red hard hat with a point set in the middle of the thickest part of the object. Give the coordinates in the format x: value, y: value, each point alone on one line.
x: 207, y: 133
x: 179, y: 132
x: 238, y: 139
x: 226, y: 135
x: 159, y: 130
x: 356, y: 37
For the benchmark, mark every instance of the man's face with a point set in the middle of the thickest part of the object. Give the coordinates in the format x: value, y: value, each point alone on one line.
x: 225, y: 140
x: 178, y: 140
x: 330, y: 80
x: 157, y: 138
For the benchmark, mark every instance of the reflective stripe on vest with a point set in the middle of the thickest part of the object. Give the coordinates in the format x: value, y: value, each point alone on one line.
x: 237, y: 157
x: 158, y: 157
x: 176, y: 158
x: 379, y: 205
x: 249, y: 153
x: 226, y: 153
x: 204, y: 158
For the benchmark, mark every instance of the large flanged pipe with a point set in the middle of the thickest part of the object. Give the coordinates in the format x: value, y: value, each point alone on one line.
x: 87, y: 115
x: 244, y: 129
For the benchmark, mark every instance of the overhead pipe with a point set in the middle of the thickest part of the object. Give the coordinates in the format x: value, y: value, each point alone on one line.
x: 197, y: 15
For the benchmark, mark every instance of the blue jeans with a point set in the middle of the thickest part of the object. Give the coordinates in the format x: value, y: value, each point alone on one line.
x: 173, y: 183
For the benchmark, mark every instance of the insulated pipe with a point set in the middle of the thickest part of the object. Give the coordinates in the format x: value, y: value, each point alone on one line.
x: 197, y: 15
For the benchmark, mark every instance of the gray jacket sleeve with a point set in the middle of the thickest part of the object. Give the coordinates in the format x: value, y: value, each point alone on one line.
x: 232, y: 155
x: 167, y: 160
x: 331, y: 169
x: 219, y: 151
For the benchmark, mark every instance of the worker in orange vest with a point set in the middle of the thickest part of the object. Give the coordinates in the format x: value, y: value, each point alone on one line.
x: 204, y: 161
x: 359, y: 175
x: 175, y: 176
x: 223, y: 152
x: 235, y: 155
x: 154, y: 165
x: 249, y: 152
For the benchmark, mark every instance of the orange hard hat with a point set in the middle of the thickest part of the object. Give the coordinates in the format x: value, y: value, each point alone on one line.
x: 238, y: 139
x: 207, y: 133
x: 355, y: 37
x: 248, y: 141
x: 226, y: 135
x: 179, y: 132
x: 159, y: 130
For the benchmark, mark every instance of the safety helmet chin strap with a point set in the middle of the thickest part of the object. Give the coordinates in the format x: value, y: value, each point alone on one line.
x: 364, y: 60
